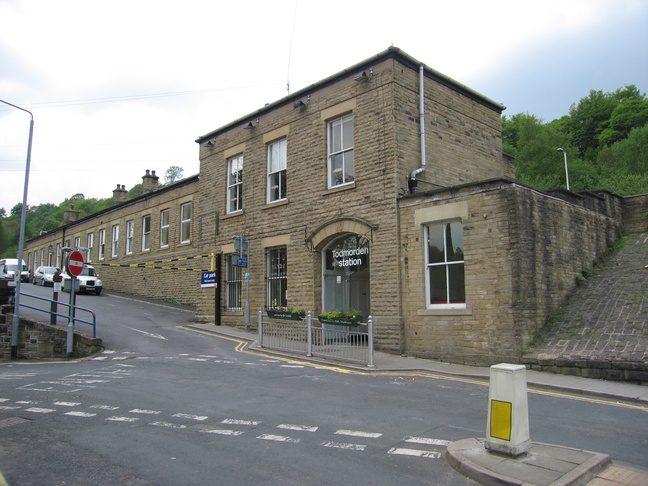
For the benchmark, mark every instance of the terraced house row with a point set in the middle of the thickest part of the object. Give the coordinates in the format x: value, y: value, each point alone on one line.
x: 382, y: 188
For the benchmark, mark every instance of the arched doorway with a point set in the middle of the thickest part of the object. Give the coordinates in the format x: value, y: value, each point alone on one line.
x: 345, y: 274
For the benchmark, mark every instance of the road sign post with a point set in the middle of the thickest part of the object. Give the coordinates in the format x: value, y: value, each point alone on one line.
x: 74, y: 267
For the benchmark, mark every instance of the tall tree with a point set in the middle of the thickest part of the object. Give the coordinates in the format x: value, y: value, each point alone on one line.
x: 173, y: 174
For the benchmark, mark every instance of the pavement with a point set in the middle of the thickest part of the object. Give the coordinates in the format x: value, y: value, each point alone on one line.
x: 542, y: 464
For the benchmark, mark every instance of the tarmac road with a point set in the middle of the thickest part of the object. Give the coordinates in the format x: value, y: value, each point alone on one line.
x: 166, y: 405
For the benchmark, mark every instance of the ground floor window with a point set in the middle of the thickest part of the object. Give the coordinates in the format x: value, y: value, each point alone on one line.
x: 445, y: 279
x: 233, y: 283
x: 277, y: 277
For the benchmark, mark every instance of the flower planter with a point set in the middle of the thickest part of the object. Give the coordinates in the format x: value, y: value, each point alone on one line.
x: 285, y: 315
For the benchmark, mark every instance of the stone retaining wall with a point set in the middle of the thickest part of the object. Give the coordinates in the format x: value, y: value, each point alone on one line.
x: 37, y: 340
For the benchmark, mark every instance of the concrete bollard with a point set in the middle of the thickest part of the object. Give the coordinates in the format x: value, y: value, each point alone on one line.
x: 507, y: 430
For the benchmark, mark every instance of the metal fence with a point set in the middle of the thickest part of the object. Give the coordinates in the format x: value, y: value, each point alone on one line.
x: 91, y: 320
x: 313, y: 338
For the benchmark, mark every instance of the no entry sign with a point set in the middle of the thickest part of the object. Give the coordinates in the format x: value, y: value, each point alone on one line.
x: 75, y: 263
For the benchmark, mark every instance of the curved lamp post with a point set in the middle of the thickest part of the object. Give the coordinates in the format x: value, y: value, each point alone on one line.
x: 566, y: 165
x: 21, y: 238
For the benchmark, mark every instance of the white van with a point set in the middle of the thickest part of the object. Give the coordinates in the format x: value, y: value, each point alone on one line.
x: 9, y: 266
x: 88, y: 281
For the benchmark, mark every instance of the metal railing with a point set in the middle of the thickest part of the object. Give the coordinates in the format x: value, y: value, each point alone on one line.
x: 54, y: 314
x: 348, y: 343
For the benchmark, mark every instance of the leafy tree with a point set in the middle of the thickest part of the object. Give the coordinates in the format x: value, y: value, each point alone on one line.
x: 135, y: 191
x: 587, y: 121
x: 534, y: 145
x: 626, y: 117
x: 173, y: 174
x: 599, y: 112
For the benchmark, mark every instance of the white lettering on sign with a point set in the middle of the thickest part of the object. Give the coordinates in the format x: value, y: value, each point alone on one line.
x: 344, y: 258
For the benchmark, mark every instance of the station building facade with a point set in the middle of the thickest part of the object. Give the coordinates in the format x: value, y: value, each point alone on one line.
x: 382, y: 188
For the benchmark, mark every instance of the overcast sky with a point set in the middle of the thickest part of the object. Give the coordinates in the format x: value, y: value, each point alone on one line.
x: 128, y: 85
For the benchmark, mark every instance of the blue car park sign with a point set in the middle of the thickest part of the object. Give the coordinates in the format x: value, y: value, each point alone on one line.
x: 208, y: 280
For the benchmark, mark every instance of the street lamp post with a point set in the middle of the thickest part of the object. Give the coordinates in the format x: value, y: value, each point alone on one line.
x: 21, y: 237
x: 566, y: 165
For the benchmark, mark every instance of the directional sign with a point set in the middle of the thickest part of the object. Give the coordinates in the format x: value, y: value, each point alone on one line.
x: 75, y: 263
x: 208, y: 279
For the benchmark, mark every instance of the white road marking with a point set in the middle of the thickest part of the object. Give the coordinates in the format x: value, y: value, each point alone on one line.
x: 359, y: 433
x: 168, y: 425
x: 303, y: 428
x: 80, y: 414
x: 7, y: 407
x: 192, y: 417
x: 39, y: 410
x: 104, y: 407
x: 344, y: 445
x: 100, y: 358
x: 239, y: 422
x: 148, y: 412
x: 278, y: 438
x: 13, y: 376
x: 425, y: 440
x: 221, y: 431
x: 291, y: 366
x: 66, y: 404
x: 198, y: 359
x: 414, y: 452
x: 123, y: 419
x: 2, y: 400
x: 150, y: 334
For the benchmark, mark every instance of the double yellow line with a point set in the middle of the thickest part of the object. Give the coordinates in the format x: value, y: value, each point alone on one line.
x: 242, y: 346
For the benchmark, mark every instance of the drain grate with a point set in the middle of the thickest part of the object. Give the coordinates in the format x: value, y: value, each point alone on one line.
x: 8, y: 422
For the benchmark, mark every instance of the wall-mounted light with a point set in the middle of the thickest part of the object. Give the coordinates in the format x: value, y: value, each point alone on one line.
x: 363, y: 76
x: 298, y: 105
x: 251, y: 124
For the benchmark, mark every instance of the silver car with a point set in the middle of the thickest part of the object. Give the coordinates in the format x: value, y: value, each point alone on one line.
x: 45, y: 275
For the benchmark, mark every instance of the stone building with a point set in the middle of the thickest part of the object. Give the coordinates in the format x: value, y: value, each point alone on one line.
x: 382, y: 188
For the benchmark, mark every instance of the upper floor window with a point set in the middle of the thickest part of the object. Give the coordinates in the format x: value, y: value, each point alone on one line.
x: 185, y: 223
x: 164, y: 228
x: 115, y: 240
x: 102, y: 244
x: 235, y: 184
x: 445, y: 265
x: 130, y: 230
x: 146, y: 232
x: 341, y: 169
x: 89, y: 245
x: 277, y: 155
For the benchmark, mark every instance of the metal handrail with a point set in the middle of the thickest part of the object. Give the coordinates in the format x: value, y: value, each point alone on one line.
x: 92, y: 323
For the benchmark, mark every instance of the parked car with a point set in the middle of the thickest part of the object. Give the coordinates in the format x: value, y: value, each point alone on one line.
x: 9, y: 267
x: 88, y: 281
x: 45, y: 275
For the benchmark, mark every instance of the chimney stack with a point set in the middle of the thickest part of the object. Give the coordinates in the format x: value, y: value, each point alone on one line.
x: 120, y: 195
x: 70, y: 215
x: 149, y: 182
